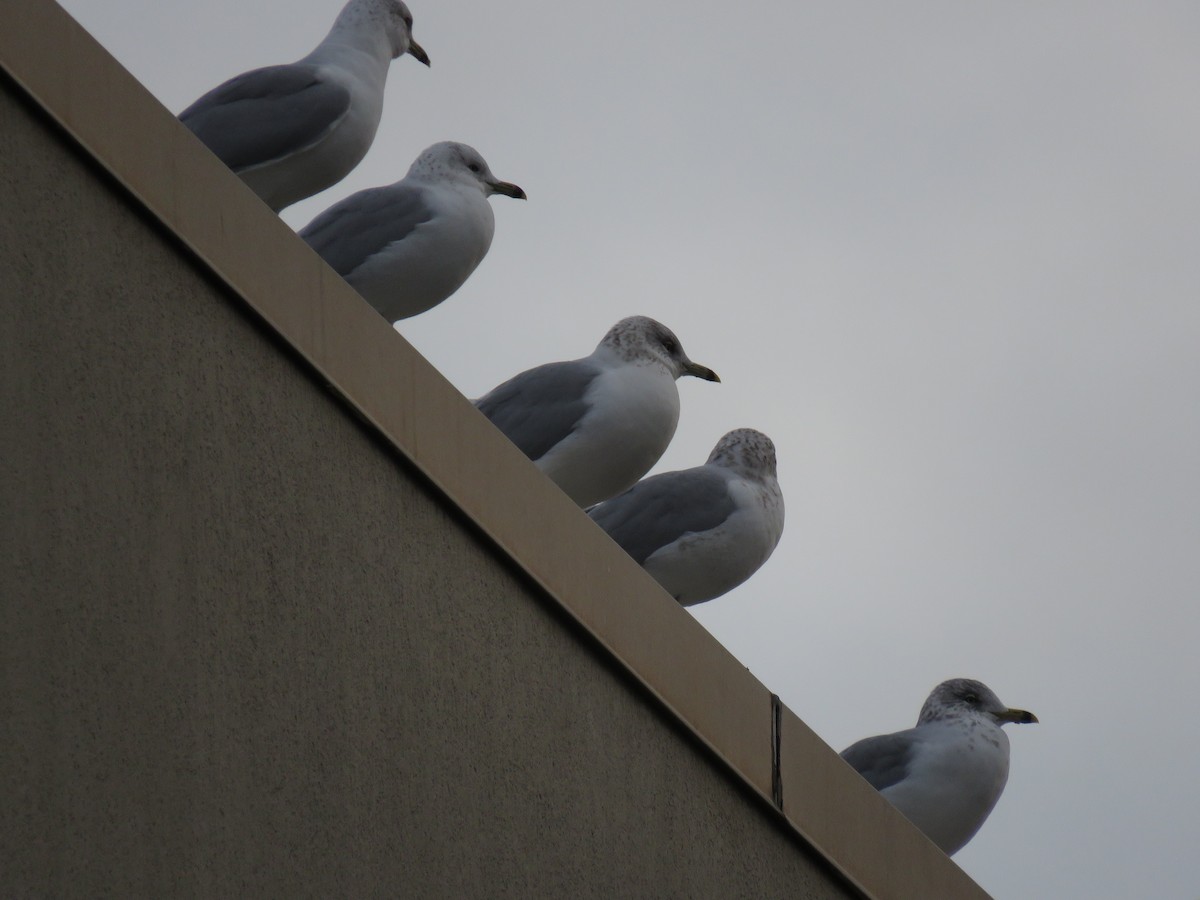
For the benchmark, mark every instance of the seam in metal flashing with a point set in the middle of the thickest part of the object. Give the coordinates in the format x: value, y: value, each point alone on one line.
x: 776, y: 745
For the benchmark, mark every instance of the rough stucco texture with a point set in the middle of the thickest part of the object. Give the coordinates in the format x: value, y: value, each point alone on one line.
x: 246, y: 652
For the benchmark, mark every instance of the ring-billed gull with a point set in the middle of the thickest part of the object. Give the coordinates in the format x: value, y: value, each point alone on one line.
x: 596, y: 425
x: 291, y: 131
x: 946, y: 774
x: 408, y: 246
x: 701, y: 532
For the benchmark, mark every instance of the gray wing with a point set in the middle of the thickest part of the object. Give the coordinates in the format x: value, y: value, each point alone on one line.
x: 540, y: 407
x: 883, y: 760
x: 350, y: 232
x: 266, y: 114
x: 663, y: 508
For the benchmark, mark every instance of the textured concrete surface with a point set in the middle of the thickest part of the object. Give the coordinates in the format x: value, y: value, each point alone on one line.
x: 246, y: 652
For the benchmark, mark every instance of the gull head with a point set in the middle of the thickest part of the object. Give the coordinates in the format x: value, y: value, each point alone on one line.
x: 640, y: 339
x: 745, y: 450
x: 966, y: 697
x: 399, y: 22
x: 452, y: 161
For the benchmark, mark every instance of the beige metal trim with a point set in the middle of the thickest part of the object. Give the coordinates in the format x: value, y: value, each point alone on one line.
x: 127, y: 132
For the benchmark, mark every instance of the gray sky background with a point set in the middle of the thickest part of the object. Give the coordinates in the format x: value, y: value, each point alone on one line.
x: 946, y: 255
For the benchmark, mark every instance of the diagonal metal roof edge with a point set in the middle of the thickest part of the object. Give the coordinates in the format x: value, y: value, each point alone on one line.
x: 116, y: 122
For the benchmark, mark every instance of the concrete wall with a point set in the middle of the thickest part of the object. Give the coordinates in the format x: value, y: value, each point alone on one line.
x: 281, y: 614
x: 247, y: 651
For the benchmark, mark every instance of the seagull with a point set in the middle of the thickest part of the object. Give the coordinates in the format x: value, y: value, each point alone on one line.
x: 291, y: 131
x: 701, y: 532
x: 947, y: 773
x: 596, y: 425
x: 408, y: 246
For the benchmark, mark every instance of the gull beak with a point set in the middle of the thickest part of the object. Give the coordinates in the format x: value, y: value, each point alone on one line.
x: 1017, y: 717
x: 691, y: 368
x: 507, y: 189
x: 415, y: 50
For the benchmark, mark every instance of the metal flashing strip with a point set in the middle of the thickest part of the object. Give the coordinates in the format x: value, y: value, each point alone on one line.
x: 115, y: 121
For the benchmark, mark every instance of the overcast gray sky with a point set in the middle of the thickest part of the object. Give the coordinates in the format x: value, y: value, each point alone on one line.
x: 946, y: 255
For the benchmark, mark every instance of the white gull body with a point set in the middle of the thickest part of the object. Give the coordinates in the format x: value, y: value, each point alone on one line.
x: 701, y: 532
x: 596, y: 425
x: 290, y: 131
x: 408, y: 246
x: 946, y: 774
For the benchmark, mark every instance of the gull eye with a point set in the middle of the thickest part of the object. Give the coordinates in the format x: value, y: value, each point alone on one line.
x: 971, y: 699
x: 474, y: 167
x: 670, y: 345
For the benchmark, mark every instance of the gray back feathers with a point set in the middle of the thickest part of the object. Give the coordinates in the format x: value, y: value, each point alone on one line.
x: 244, y: 132
x: 352, y: 231
x: 882, y: 760
x: 540, y: 407
x: 649, y: 516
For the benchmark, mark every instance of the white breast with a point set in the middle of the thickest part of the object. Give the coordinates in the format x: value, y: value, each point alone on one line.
x: 956, y: 777
x: 434, y: 260
x: 330, y: 159
x: 633, y: 415
x: 702, y: 566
